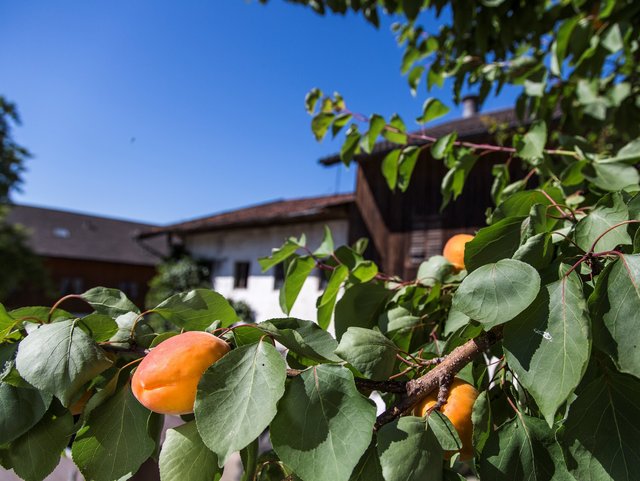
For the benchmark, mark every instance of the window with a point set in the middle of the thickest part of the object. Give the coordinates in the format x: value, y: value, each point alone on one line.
x: 71, y: 285
x: 240, y: 275
x: 278, y: 276
x: 130, y: 288
x: 61, y: 232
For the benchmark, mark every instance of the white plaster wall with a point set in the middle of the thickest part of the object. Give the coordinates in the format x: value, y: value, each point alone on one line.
x: 247, y: 245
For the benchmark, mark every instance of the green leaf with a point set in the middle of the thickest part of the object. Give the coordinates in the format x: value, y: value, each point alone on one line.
x: 311, y: 99
x: 455, y: 321
x: 110, y: 302
x: 406, y: 164
x: 454, y: 180
x: 237, y: 397
x: 197, y: 309
x: 155, y: 425
x: 534, y: 89
x: 302, y: 337
x: 493, y: 243
x: 614, y: 176
x: 616, y: 304
x: 297, y: 273
x: 184, y: 457
x: 496, y: 293
x: 368, y: 468
x: 359, y: 307
x: 370, y: 352
x: 397, y: 136
x: 398, y: 324
x: 376, y: 126
x: 351, y: 145
x: 348, y: 256
x: 612, y: 39
x: 365, y: 271
x: 414, y: 78
x: 552, y: 337
x: 537, y: 222
x: 432, y: 109
x: 320, y: 124
x: 481, y: 419
x: 114, y: 442
x: 7, y: 355
x: 325, y: 440
x: 520, y: 203
x: 559, y: 47
x: 390, y: 168
x: 629, y: 154
x: 162, y: 337
x: 326, y: 246
x: 609, y: 211
x: 7, y: 323
x: 409, y: 451
x: 60, y: 358
x: 99, y: 327
x: 434, y: 77
x: 35, y: 455
x: 277, y: 256
x: 603, y: 428
x: 434, y: 270
x: 249, y: 458
x: 517, y: 450
x: 327, y: 301
x: 40, y: 313
x: 445, y: 432
x: 531, y: 147
x: 537, y: 251
x: 340, y: 121
x: 443, y: 145
x: 128, y: 334
x: 20, y: 410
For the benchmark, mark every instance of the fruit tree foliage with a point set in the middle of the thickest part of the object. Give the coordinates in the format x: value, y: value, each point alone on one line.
x: 542, y: 320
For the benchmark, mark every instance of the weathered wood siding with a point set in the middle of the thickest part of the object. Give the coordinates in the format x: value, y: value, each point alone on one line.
x: 405, y: 228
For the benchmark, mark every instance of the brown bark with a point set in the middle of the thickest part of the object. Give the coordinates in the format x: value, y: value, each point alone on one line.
x: 418, y: 388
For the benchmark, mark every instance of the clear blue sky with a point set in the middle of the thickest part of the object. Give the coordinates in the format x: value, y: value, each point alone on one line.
x: 159, y: 110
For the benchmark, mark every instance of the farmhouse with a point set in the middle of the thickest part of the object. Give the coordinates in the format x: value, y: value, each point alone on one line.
x: 231, y: 243
x: 82, y: 251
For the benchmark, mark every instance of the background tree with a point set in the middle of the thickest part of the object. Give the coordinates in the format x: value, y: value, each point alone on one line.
x: 182, y: 273
x: 21, y: 267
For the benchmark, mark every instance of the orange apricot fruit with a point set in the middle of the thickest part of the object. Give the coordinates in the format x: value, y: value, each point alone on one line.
x: 458, y: 409
x: 167, y: 379
x: 454, y: 249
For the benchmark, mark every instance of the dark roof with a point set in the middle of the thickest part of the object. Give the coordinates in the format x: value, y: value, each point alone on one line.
x: 275, y: 212
x: 58, y: 233
x: 466, y: 127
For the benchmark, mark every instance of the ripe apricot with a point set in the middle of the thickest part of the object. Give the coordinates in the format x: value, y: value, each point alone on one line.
x: 454, y: 249
x: 167, y: 378
x: 458, y: 409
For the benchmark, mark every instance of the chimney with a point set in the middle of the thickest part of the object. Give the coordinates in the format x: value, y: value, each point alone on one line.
x: 469, y: 106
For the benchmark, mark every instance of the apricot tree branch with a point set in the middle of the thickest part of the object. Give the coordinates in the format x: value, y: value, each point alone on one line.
x: 61, y: 300
x: 461, y: 143
x: 417, y: 389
